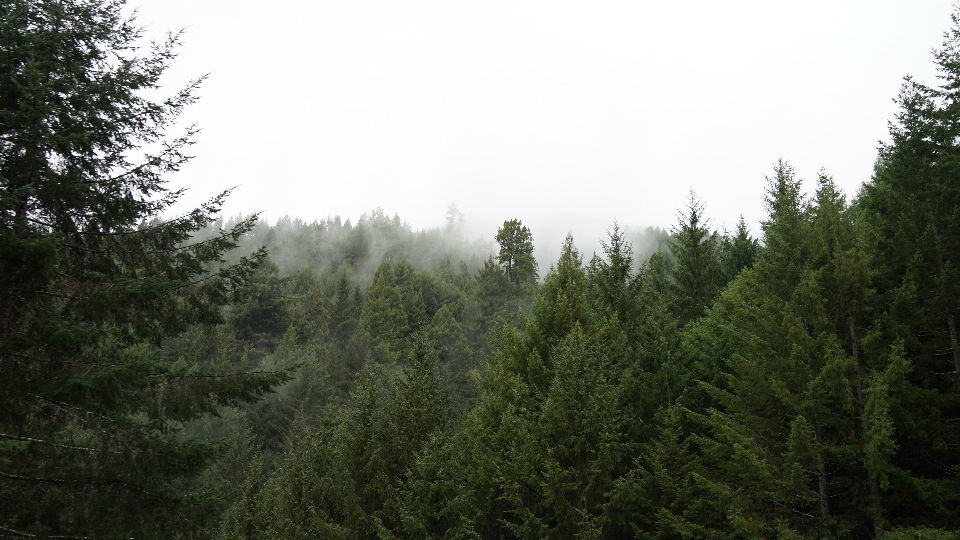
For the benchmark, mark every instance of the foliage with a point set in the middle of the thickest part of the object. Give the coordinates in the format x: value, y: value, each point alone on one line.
x: 689, y: 384
x: 516, y: 252
x: 93, y: 283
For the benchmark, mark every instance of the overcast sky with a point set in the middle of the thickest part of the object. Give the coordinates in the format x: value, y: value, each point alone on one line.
x: 567, y: 115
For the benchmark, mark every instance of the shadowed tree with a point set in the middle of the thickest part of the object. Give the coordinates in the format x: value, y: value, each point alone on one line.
x: 92, y: 282
x: 738, y: 251
x: 697, y: 271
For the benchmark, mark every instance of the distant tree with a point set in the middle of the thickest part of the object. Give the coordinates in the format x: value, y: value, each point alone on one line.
x: 697, y: 271
x: 262, y: 313
x: 516, y: 252
x: 489, y: 301
x: 454, y: 219
x: 412, y: 285
x: 739, y: 251
x: 612, y: 279
x: 384, y: 317
x: 344, y: 309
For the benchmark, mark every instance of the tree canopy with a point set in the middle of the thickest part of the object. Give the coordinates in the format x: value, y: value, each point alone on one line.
x: 168, y: 377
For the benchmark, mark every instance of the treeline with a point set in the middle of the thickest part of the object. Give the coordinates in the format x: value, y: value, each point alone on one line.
x: 174, y: 379
x: 406, y: 366
x: 729, y: 388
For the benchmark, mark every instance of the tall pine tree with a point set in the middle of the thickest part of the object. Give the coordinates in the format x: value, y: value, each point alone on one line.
x: 92, y: 282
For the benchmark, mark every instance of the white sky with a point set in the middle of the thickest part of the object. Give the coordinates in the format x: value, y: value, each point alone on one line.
x: 566, y: 115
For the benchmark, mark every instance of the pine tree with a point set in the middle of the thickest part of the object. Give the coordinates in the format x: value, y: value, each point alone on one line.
x: 804, y: 434
x: 490, y: 303
x: 739, y: 252
x: 665, y: 495
x: 613, y: 283
x: 389, y: 425
x: 384, y: 317
x: 92, y: 282
x: 546, y: 440
x: 911, y: 206
x: 696, y: 276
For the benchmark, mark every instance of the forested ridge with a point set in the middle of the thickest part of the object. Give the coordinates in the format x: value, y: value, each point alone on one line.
x: 201, y: 376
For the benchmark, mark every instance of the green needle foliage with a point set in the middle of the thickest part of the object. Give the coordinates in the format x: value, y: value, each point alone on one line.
x: 803, y: 385
x: 516, y: 253
x: 92, y: 283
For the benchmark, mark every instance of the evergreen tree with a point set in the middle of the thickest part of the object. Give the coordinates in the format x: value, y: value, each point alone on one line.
x: 613, y: 283
x: 92, y: 282
x: 456, y: 359
x: 697, y: 273
x: 302, y: 497
x: 262, y: 313
x: 490, y: 302
x: 665, y: 495
x: 547, y: 436
x: 911, y: 208
x: 384, y: 317
x: 516, y: 252
x: 808, y: 410
x: 344, y: 310
x: 738, y: 252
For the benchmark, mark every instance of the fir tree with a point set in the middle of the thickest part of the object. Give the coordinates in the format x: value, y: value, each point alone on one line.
x: 739, y: 251
x: 697, y: 273
x: 92, y: 282
x: 613, y: 283
x: 911, y: 207
x: 807, y: 410
x: 384, y: 317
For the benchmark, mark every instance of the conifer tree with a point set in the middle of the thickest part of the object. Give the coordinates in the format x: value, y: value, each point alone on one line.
x: 547, y: 434
x: 665, y: 495
x: 738, y: 251
x: 911, y: 208
x: 344, y: 310
x: 697, y: 273
x: 809, y: 411
x: 384, y: 317
x: 490, y: 303
x: 516, y: 253
x: 92, y: 281
x: 612, y: 278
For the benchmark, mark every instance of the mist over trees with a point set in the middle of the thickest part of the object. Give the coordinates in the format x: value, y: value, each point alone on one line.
x: 209, y: 377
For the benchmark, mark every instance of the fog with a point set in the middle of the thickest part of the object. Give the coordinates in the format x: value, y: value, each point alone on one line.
x: 565, y: 115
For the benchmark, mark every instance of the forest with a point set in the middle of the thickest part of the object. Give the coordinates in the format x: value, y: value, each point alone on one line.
x: 202, y: 376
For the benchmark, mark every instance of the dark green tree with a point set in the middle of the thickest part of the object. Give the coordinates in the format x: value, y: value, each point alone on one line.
x: 384, y: 317
x: 490, y: 302
x: 738, y: 252
x: 92, y: 282
x: 696, y: 275
x: 344, y: 310
x: 516, y: 252
x: 612, y: 280
x: 805, y: 430
x: 911, y: 206
x: 546, y: 440
x: 262, y: 313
